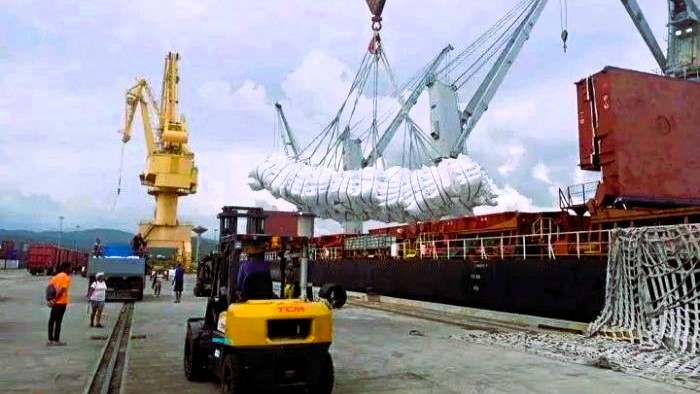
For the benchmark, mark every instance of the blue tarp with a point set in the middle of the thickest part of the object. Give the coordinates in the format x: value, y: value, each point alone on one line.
x: 117, y: 266
x: 117, y: 250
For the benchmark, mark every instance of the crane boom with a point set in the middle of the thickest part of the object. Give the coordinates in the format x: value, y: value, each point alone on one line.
x: 134, y: 98
x: 288, y: 137
x: 480, y: 101
x: 378, y: 150
x: 641, y: 23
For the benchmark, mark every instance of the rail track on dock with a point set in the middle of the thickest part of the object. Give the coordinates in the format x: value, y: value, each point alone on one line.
x: 109, y: 375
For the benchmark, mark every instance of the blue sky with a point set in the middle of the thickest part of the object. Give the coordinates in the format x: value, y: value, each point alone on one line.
x: 65, y: 66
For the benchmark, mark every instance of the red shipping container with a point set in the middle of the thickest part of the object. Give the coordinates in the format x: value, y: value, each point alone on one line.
x: 41, y: 257
x: 46, y: 258
x: 281, y: 223
x: 642, y: 132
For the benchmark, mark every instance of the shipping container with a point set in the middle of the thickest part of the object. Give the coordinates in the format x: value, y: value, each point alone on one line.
x: 45, y: 258
x: 641, y: 131
x: 41, y: 258
x: 284, y: 224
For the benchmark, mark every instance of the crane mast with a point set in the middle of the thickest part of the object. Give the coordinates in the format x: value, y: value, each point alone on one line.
x: 681, y: 60
x: 170, y: 171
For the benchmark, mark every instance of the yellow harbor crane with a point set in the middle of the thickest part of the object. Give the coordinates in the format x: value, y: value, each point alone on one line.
x: 170, y: 172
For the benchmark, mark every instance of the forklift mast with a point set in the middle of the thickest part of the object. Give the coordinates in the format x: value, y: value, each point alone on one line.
x: 237, y: 227
x: 225, y: 263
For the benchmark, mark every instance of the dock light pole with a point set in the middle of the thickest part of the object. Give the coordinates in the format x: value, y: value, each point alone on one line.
x: 75, y: 240
x: 199, y: 230
x: 60, y: 229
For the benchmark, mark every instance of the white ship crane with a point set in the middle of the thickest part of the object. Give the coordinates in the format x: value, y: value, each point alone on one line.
x: 681, y: 60
x: 350, y: 172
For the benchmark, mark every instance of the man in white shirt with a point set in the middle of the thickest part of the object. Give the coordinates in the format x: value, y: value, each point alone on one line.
x: 97, y: 295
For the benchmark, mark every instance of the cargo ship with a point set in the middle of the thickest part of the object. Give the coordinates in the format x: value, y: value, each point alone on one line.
x: 639, y: 130
x: 632, y: 129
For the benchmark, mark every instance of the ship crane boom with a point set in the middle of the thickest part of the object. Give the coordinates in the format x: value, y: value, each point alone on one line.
x: 287, y: 137
x: 640, y: 22
x: 484, y: 94
x: 427, y: 78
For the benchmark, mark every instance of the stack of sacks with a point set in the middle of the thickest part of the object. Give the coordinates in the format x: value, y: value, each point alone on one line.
x: 453, y: 187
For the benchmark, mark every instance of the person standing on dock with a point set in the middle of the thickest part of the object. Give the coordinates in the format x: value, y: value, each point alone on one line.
x: 61, y: 283
x: 178, y: 281
x: 138, y: 245
x: 97, y: 250
x: 97, y: 295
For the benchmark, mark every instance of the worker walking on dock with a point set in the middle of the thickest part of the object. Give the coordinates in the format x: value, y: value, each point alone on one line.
x: 178, y: 281
x: 58, y: 303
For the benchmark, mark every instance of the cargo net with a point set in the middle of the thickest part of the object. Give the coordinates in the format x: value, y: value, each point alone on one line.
x: 653, y: 288
x: 650, y: 325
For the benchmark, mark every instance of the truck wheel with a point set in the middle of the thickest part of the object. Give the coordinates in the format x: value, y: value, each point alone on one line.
x: 194, y: 371
x: 232, y: 377
x: 326, y: 379
x: 335, y: 294
x: 139, y: 297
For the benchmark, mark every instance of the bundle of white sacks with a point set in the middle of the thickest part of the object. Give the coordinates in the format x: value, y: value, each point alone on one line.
x: 395, y: 194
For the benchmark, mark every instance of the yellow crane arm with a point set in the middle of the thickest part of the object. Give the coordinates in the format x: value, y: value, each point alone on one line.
x: 134, y: 97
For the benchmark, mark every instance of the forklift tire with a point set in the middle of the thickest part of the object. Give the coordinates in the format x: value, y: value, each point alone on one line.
x: 194, y: 370
x: 232, y: 376
x: 335, y: 294
x: 326, y: 379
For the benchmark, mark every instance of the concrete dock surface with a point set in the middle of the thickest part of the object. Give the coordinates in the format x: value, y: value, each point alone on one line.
x: 374, y: 351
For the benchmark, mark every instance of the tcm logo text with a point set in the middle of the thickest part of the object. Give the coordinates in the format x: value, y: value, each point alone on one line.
x: 290, y: 309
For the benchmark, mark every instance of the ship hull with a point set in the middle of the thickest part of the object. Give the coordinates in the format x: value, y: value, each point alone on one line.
x: 569, y: 289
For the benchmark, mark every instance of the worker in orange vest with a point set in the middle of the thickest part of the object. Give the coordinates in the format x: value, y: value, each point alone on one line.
x: 58, y: 303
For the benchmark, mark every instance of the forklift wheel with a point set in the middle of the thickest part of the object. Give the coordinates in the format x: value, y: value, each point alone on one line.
x: 232, y: 377
x: 194, y: 371
x: 326, y: 380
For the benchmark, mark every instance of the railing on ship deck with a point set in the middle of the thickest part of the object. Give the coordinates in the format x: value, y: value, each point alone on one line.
x: 545, y: 246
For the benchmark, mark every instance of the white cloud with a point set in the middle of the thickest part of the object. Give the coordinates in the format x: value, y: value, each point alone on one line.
x: 62, y: 91
x: 514, y: 155
x: 581, y: 176
x: 250, y: 97
x: 541, y: 172
x: 509, y: 199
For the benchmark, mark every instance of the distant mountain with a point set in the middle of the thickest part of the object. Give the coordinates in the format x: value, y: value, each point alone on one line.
x: 82, y: 239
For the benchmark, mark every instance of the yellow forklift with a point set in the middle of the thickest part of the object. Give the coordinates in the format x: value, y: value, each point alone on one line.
x: 250, y: 339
